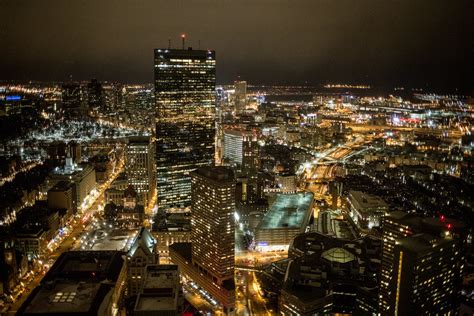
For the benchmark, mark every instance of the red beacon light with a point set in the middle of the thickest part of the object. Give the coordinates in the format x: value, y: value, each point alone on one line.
x: 442, y: 218
x: 449, y: 226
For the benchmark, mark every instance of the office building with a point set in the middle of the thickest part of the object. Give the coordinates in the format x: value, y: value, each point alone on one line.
x: 140, y: 167
x: 327, y: 275
x: 160, y: 292
x: 241, y: 149
x: 240, y: 96
x: 213, y: 207
x: 72, y: 103
x: 426, y: 275
x: 185, y: 129
x: 209, y: 262
x: 367, y: 210
x: 80, y: 283
x: 61, y: 196
x: 82, y: 177
x: 96, y: 96
x: 403, y: 248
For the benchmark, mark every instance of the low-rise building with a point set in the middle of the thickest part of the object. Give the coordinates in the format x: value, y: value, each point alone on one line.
x: 366, y: 210
x: 80, y: 283
x: 288, y: 216
x: 160, y: 293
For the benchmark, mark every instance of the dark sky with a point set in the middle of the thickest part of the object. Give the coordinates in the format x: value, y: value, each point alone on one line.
x: 419, y: 43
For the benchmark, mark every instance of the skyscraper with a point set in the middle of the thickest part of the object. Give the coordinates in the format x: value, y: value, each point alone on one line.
x: 139, y: 167
x: 95, y: 93
x: 72, y: 100
x: 213, y: 202
x: 416, y: 261
x: 185, y: 128
x: 240, y: 96
x: 426, y: 276
x: 209, y: 259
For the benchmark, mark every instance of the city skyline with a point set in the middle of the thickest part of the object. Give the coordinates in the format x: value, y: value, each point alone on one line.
x: 344, y: 187
x: 423, y: 45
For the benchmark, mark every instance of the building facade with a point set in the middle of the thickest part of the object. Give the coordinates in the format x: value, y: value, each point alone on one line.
x: 408, y: 259
x: 185, y: 129
x: 140, y: 167
x: 212, y: 222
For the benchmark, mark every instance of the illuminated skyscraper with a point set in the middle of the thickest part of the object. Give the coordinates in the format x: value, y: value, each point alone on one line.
x: 185, y: 129
x: 422, y: 263
x: 426, y: 276
x: 139, y: 167
x: 213, y: 204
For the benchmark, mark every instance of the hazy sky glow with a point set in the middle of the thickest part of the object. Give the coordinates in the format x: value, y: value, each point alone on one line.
x: 263, y: 41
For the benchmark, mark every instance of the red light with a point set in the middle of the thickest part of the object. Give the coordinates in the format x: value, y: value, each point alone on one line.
x: 449, y: 226
x: 442, y: 218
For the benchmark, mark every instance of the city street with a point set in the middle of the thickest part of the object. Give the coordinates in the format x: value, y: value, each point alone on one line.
x: 65, y: 243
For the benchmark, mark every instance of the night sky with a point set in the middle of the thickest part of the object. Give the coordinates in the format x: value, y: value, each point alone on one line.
x: 427, y: 44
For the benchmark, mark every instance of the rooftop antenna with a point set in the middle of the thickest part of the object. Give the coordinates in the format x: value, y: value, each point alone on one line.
x: 169, y: 43
x: 183, y: 37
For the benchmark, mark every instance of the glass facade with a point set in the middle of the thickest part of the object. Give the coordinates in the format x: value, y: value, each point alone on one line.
x: 185, y: 83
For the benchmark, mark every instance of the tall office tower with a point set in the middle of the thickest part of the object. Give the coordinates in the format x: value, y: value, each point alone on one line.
x: 213, y: 206
x: 400, y: 228
x: 426, y: 276
x: 397, y: 225
x: 241, y: 148
x: 96, y: 95
x: 140, y: 167
x: 185, y: 82
x: 240, y: 96
x: 72, y: 100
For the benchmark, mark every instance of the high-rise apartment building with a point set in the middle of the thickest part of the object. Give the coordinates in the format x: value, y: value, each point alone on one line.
x: 185, y: 129
x: 140, y: 167
x: 213, y: 207
x: 415, y: 257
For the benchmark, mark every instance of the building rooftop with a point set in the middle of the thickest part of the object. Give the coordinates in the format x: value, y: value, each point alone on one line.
x: 60, y: 186
x: 367, y: 201
x: 216, y: 173
x: 143, y: 240
x: 160, y: 289
x: 83, y: 265
x: 77, y: 284
x: 65, y: 297
x: 422, y: 243
x: 338, y: 255
x: 139, y: 140
x: 288, y: 211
